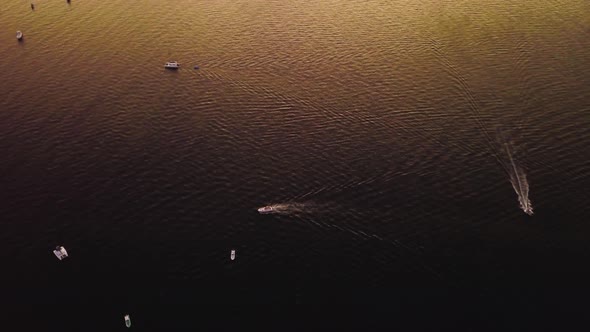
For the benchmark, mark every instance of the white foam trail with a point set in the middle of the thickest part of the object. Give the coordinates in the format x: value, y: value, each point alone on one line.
x: 520, y: 184
x: 290, y: 208
x: 305, y: 210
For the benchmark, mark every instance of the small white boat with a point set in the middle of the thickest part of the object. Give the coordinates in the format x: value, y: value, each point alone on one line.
x: 60, y: 252
x: 172, y: 65
x: 127, y: 321
x: 266, y: 209
x: 232, y: 255
x: 19, y: 35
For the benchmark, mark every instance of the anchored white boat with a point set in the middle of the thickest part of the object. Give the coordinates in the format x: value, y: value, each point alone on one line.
x: 172, y: 65
x: 232, y: 255
x: 19, y: 35
x: 127, y: 321
x: 266, y: 209
x: 60, y: 252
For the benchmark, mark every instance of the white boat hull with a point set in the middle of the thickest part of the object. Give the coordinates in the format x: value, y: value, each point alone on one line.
x: 60, y: 253
x: 266, y: 209
x: 172, y: 65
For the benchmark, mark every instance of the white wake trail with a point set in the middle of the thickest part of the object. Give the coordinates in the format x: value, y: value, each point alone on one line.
x: 520, y: 184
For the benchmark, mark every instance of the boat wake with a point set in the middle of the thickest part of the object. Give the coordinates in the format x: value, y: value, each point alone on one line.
x: 325, y: 215
x: 515, y: 172
x: 519, y: 182
x: 308, y: 211
x: 286, y: 208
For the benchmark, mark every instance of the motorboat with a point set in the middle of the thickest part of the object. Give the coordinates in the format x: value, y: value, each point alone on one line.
x: 232, y: 255
x: 60, y: 252
x: 127, y: 321
x: 172, y: 65
x: 266, y: 209
x: 19, y: 35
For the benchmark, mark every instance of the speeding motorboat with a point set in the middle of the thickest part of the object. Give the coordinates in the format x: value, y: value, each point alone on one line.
x: 19, y: 35
x: 266, y: 209
x: 60, y: 252
x: 172, y: 65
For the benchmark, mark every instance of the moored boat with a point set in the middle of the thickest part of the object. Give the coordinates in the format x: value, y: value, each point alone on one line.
x: 60, y: 252
x: 127, y: 321
x: 232, y: 255
x: 172, y: 65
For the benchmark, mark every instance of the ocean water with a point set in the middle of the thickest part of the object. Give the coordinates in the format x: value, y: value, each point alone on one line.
x: 422, y: 155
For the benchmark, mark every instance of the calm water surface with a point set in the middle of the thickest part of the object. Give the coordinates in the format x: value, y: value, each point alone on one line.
x: 379, y: 128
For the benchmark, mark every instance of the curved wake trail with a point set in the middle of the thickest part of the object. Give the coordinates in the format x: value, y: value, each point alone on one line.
x: 519, y: 183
